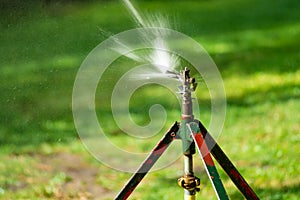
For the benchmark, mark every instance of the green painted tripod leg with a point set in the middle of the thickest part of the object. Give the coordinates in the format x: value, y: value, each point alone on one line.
x: 227, y: 165
x: 208, y: 162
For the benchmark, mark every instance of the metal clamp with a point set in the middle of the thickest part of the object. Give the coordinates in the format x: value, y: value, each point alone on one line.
x: 189, y: 182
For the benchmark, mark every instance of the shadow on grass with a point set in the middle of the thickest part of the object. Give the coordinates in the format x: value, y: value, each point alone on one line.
x: 274, y: 60
x: 222, y: 17
x: 36, y: 108
x: 275, y: 94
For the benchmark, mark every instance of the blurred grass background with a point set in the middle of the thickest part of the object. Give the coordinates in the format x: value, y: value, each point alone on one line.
x: 254, y: 43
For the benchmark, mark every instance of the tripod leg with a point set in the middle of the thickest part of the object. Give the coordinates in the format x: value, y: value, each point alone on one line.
x: 209, y: 164
x: 227, y: 165
x: 148, y: 163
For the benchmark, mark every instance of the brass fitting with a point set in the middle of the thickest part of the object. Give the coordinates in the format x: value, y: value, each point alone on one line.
x: 189, y: 182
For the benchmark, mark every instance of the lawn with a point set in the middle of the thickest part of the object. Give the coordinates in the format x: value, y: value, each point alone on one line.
x: 255, y: 44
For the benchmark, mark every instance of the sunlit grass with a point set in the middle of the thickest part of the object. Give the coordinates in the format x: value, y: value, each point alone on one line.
x: 255, y: 44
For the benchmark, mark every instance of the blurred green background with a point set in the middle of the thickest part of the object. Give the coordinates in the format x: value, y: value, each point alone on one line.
x: 255, y: 44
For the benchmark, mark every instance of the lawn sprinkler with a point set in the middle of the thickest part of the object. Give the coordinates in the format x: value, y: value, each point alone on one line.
x: 193, y: 135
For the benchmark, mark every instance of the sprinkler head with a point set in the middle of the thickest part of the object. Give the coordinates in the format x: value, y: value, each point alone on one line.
x: 188, y: 80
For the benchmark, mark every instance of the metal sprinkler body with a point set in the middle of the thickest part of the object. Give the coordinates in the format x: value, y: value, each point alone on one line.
x: 187, y: 104
x: 188, y: 86
x: 188, y: 181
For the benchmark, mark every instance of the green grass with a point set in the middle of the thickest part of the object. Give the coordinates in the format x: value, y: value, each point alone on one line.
x: 255, y: 44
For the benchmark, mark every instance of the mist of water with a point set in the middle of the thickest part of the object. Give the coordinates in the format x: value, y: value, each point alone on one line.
x: 134, y: 12
x: 160, y: 56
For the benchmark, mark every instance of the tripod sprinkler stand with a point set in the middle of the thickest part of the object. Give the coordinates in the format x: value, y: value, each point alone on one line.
x: 193, y: 135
